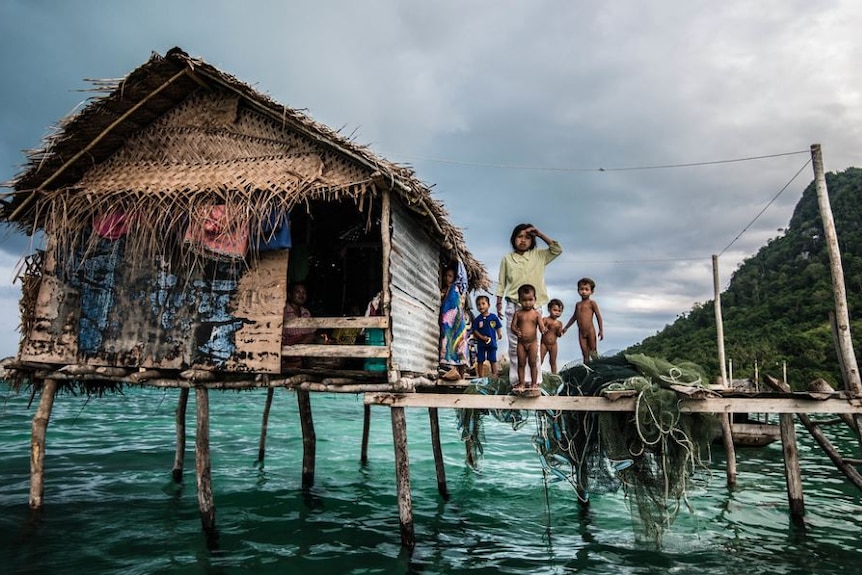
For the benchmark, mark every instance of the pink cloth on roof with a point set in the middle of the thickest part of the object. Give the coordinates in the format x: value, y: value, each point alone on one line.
x: 112, y: 225
x: 212, y: 229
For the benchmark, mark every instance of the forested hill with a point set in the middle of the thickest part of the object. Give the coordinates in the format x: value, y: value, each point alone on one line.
x: 776, y: 306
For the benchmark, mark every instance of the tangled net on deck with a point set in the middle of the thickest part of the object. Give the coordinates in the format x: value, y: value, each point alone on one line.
x: 653, y: 454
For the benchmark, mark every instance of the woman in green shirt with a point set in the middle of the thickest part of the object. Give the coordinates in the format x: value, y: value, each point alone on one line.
x: 524, y: 265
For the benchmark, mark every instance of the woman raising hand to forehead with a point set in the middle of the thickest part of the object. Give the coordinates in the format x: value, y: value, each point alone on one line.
x: 525, y: 264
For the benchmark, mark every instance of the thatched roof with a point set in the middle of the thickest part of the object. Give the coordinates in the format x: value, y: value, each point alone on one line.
x: 75, y: 160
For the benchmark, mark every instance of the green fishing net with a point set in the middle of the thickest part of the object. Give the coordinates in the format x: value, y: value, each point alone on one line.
x: 653, y: 454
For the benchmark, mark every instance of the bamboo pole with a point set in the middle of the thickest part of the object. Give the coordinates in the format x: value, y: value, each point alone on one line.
x: 37, y: 443
x: 438, y: 453
x: 402, y: 477
x: 842, y: 316
x: 309, y: 440
x: 261, y: 448
x: 180, y: 454
x: 726, y: 430
x: 366, y: 428
x: 203, y: 465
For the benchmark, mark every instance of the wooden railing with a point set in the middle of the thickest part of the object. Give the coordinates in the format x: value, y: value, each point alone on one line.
x: 334, y: 349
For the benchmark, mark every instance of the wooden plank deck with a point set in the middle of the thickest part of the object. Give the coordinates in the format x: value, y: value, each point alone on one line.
x: 779, y: 403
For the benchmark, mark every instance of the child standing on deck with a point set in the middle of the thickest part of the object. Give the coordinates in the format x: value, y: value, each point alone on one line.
x: 487, y: 329
x: 584, y: 312
x: 553, y: 330
x: 527, y: 324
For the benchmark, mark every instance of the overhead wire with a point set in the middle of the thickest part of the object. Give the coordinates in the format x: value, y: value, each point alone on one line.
x: 646, y: 167
x: 599, y: 169
x: 766, y: 207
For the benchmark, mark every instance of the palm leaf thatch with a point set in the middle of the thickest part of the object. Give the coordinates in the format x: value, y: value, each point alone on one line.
x: 176, y: 136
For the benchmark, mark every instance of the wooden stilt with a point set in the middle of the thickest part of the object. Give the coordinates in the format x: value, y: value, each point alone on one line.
x: 180, y: 455
x: 309, y: 440
x: 366, y: 428
x: 438, y: 453
x: 729, y: 449
x: 202, y: 463
x: 37, y: 443
x: 468, y: 446
x: 583, y: 490
x: 402, y: 477
x: 791, y: 467
x: 261, y: 448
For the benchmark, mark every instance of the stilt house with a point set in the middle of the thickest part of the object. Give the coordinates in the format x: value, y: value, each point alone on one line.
x: 177, y: 207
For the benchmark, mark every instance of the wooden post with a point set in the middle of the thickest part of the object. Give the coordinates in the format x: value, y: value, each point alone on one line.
x: 842, y: 317
x: 366, y: 428
x: 309, y: 439
x: 438, y: 453
x: 792, y: 473
x: 844, y: 466
x: 726, y: 430
x: 392, y: 375
x: 202, y: 463
x: 402, y: 477
x: 37, y: 442
x: 261, y: 448
x: 180, y: 455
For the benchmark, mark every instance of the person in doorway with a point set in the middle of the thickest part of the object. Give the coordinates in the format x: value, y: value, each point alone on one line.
x: 297, y: 296
x: 525, y: 264
x: 553, y: 330
x: 585, y: 311
x: 527, y: 324
x: 487, y: 329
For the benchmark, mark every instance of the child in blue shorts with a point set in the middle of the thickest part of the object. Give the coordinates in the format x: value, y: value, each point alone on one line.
x: 487, y: 329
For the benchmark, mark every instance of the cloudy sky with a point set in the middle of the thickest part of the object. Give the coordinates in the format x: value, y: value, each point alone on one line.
x: 609, y: 125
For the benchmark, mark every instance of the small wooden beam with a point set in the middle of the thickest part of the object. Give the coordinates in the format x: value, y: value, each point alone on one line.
x: 180, y: 418
x: 261, y: 448
x: 309, y: 440
x: 438, y: 453
x: 37, y: 443
x: 203, y: 465
x: 402, y: 477
x: 366, y: 427
x: 364, y: 322
x: 334, y: 350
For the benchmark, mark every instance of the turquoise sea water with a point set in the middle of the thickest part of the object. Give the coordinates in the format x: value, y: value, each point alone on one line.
x: 111, y: 507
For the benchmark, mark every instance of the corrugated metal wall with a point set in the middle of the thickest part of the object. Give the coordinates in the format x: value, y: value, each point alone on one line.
x: 415, y: 269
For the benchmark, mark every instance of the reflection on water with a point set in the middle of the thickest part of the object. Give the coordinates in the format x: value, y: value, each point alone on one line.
x: 112, y: 507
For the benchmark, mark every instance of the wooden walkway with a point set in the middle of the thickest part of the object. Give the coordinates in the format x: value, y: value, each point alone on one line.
x: 759, y: 403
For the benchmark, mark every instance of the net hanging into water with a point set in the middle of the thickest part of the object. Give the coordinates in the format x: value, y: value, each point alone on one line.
x: 653, y: 454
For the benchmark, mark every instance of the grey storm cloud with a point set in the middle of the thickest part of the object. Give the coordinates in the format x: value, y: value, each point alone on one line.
x: 515, y: 112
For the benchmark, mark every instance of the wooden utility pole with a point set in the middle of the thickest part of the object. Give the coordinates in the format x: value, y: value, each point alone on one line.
x: 842, y: 316
x: 726, y: 431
